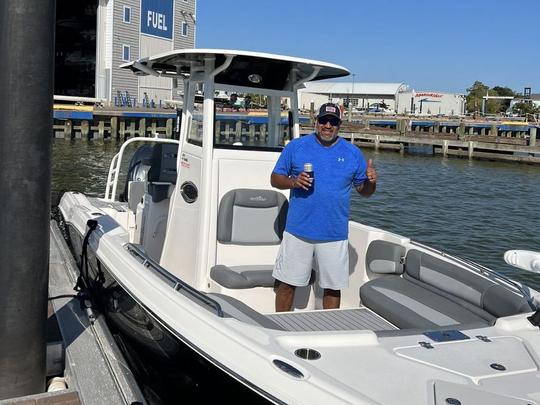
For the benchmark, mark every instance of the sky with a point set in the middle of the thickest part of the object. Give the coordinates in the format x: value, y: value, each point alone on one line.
x: 437, y: 45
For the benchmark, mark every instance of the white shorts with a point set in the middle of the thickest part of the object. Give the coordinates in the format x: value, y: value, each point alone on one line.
x: 294, y: 262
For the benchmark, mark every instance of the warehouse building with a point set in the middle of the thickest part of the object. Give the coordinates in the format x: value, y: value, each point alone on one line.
x: 360, y: 95
x: 431, y: 103
x: 389, y: 98
x: 133, y: 29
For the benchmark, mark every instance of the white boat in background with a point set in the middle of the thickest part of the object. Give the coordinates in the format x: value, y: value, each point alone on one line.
x: 182, y: 260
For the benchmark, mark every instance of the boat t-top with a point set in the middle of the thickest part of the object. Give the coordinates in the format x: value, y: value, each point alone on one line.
x: 179, y: 253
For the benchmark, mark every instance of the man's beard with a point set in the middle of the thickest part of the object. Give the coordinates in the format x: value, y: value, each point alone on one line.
x: 327, y: 141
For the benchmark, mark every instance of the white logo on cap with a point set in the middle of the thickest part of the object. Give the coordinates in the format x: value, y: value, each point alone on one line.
x: 330, y: 109
x: 341, y: 159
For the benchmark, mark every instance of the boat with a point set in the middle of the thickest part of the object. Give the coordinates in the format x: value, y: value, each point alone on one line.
x: 179, y: 256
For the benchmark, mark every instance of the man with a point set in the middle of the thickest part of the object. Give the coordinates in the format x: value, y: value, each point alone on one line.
x: 317, y: 221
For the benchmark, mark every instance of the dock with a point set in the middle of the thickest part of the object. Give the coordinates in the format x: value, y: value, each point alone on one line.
x: 81, y: 350
x: 115, y: 123
x: 501, y: 141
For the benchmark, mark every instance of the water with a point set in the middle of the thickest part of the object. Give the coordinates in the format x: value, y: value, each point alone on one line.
x: 473, y: 209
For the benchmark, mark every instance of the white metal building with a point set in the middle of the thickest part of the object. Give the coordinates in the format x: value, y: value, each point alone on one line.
x: 361, y: 95
x: 397, y: 97
x: 132, y: 29
x: 431, y: 103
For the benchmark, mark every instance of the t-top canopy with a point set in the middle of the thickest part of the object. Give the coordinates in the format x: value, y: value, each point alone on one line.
x: 247, y: 69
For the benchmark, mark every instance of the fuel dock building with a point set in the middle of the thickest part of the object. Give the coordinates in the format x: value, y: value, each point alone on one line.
x: 94, y: 37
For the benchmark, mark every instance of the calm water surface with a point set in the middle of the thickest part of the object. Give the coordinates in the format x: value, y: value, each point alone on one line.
x: 473, y: 209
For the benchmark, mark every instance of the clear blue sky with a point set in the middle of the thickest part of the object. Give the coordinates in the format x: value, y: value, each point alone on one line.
x: 431, y: 45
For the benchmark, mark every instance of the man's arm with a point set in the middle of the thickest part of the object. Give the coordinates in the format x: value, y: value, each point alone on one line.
x: 285, y: 182
x: 368, y: 187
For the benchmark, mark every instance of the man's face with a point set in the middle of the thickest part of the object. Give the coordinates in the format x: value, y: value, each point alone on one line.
x: 327, y: 127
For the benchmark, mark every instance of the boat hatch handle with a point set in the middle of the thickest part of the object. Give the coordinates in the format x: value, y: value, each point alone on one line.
x: 175, y: 282
x: 189, y: 192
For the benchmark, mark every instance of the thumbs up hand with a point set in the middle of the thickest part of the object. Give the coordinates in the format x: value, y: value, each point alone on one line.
x: 371, y: 172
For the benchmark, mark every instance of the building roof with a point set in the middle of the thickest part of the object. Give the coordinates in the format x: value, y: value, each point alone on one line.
x: 378, y: 89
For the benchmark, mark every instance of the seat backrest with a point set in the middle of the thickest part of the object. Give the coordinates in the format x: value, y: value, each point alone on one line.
x: 251, y: 217
x: 385, y: 257
x: 468, y: 286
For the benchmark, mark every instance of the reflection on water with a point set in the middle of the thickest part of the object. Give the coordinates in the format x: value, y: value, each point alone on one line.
x: 473, y: 209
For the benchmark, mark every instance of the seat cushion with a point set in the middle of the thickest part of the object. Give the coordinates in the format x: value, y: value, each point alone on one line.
x: 409, y: 305
x: 237, y: 277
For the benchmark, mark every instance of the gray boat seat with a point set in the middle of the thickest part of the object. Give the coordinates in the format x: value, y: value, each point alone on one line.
x: 432, y: 292
x: 249, y: 217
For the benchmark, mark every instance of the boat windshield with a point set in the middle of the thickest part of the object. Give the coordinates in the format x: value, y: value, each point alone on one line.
x: 251, y: 121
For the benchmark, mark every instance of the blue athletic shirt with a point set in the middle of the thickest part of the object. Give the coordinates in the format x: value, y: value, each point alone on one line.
x: 323, y: 212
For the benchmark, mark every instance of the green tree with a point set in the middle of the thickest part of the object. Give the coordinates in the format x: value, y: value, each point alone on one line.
x: 497, y: 106
x: 525, y: 108
x: 474, y: 96
x: 478, y: 90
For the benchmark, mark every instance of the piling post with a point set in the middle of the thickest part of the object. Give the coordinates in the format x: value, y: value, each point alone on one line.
x: 471, y: 150
x: 494, y: 130
x: 377, y: 142
x: 532, y: 136
x: 461, y: 130
x: 85, y: 129
x: 445, y: 147
x: 366, y: 123
x: 238, y: 130
x: 169, y: 127
x: 68, y: 129
x: 312, y: 113
x: 252, y: 133
x: 122, y: 131
x: 114, y: 127
x: 27, y: 41
x: 142, y: 127
x: 132, y: 131
x: 401, y: 148
x: 217, y: 131
x: 153, y: 127
x: 101, y: 129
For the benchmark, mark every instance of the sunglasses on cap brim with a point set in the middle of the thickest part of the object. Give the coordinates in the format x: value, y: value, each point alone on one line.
x: 334, y: 121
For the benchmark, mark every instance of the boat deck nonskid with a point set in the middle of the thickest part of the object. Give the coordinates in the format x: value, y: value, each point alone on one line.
x: 332, y: 320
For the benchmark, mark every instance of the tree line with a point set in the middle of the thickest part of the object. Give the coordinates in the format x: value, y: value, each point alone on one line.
x: 497, y: 106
